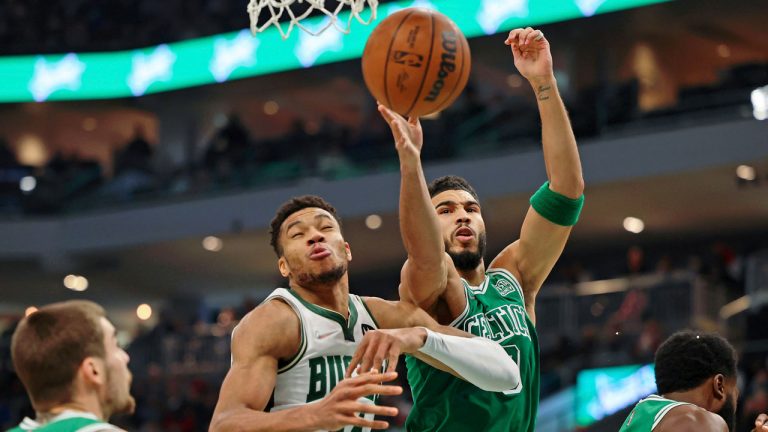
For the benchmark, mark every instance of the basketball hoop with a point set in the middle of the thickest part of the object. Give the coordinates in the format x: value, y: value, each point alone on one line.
x: 278, y: 8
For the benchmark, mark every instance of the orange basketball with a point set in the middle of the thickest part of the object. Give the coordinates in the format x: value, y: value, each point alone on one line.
x: 416, y: 62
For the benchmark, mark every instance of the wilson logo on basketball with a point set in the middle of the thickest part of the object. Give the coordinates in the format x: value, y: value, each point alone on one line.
x: 447, y: 64
x: 407, y: 58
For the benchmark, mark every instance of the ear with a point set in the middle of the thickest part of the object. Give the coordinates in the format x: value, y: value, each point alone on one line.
x: 282, y: 265
x: 92, y: 371
x: 718, y: 388
x: 348, y: 251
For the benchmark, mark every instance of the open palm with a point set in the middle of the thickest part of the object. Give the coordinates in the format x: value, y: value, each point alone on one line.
x: 407, y: 133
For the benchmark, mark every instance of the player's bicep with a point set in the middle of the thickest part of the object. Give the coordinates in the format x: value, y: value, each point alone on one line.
x: 422, y: 286
x: 248, y: 385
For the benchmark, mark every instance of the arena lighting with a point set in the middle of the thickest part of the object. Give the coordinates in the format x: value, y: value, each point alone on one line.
x: 27, y: 184
x: 373, y: 221
x: 746, y: 172
x: 237, y: 55
x: 760, y: 103
x: 144, y: 312
x: 29, y: 311
x: 212, y: 244
x: 75, y: 282
x: 634, y: 225
x: 271, y: 108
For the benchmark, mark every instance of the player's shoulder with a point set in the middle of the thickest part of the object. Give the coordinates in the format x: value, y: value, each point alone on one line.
x: 691, y: 418
x: 257, y: 328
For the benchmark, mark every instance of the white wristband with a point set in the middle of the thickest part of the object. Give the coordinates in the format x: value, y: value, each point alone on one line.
x: 480, y: 361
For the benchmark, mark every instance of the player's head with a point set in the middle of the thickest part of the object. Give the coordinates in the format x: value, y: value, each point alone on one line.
x: 67, y: 352
x: 703, y: 362
x: 307, y: 238
x: 461, y: 222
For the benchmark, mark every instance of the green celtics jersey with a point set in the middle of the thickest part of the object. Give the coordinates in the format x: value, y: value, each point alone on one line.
x: 648, y: 413
x: 67, y: 421
x: 441, y: 402
x: 328, y: 342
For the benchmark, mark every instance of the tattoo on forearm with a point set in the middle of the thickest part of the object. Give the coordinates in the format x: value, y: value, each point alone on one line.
x: 543, y: 92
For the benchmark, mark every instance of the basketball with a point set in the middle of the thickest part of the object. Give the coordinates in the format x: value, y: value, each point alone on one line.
x: 416, y: 62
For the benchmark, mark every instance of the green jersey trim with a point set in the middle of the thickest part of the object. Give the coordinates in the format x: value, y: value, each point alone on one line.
x: 285, y: 366
x: 465, y: 312
x: 347, y: 326
x: 365, y: 305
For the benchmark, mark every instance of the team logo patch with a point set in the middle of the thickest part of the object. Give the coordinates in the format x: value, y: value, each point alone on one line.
x: 366, y: 328
x: 503, y: 286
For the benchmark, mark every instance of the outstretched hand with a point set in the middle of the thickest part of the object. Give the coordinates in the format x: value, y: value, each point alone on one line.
x: 531, y: 52
x: 408, y: 135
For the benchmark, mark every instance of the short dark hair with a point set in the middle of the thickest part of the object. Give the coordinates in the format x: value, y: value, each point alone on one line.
x: 290, y: 207
x: 49, y: 346
x: 687, y: 359
x: 451, y: 182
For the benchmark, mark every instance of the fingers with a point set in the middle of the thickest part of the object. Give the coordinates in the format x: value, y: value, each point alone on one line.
x: 363, y: 423
x: 387, y: 113
x: 524, y: 36
x: 356, y: 357
x: 373, y: 409
x: 372, y: 389
x: 392, y: 361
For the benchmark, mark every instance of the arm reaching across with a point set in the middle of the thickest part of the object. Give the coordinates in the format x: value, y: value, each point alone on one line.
x: 251, y: 379
x: 443, y: 347
x: 428, y: 278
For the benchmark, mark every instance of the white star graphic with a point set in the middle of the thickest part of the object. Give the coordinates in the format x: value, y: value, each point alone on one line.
x: 589, y: 7
x: 494, y: 12
x: 232, y: 54
x: 311, y: 47
x: 148, y: 69
x: 52, y: 76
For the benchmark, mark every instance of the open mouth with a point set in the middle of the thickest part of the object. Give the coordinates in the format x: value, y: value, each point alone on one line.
x: 464, y: 234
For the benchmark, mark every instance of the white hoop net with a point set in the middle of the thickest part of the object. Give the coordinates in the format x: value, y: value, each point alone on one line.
x: 278, y: 8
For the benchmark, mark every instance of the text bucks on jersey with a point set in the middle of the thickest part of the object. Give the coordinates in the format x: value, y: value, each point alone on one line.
x: 328, y: 342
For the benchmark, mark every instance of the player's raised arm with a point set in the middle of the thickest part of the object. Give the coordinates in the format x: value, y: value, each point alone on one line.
x: 423, y: 278
x: 556, y: 206
x: 477, y: 360
x: 251, y: 379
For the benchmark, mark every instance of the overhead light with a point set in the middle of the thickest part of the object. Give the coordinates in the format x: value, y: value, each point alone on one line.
x: 746, y: 172
x: 213, y: 244
x: 634, y: 225
x: 144, y: 311
x: 760, y: 103
x: 271, y: 108
x: 723, y: 51
x: 75, y: 282
x: 32, y: 151
x: 89, y: 124
x: 514, y: 81
x: 29, y: 311
x: 373, y: 221
x: 27, y: 184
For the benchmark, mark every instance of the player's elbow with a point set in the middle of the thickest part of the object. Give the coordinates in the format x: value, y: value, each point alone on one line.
x: 570, y: 185
x: 221, y: 423
x: 502, y: 376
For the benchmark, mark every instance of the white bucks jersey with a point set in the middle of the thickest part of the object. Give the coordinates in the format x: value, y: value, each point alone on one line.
x: 328, y: 342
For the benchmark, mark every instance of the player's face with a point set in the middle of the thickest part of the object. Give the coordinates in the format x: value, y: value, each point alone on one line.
x: 461, y: 222
x: 314, y: 251
x: 117, y: 397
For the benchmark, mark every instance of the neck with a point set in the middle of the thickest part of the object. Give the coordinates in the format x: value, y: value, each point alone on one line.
x: 474, y: 276
x: 333, y: 296
x: 694, y: 396
x: 45, y: 414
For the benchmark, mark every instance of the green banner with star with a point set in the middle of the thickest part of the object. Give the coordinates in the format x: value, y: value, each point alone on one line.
x: 239, y: 55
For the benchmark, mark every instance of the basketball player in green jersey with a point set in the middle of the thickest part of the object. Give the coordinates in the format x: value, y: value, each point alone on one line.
x: 76, y: 376
x: 696, y: 378
x: 445, y: 274
x: 294, y: 349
